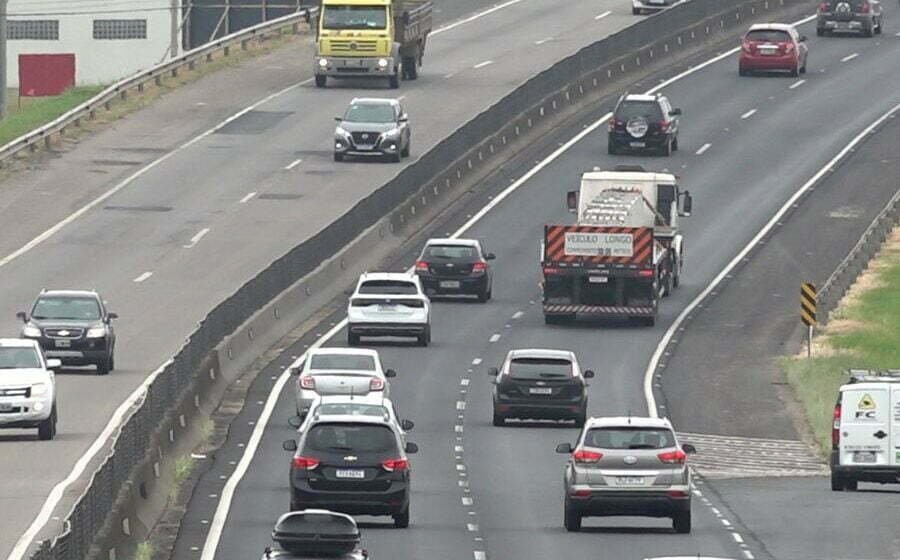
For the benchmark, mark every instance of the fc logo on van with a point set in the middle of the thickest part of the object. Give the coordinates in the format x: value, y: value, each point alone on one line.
x: 866, y: 408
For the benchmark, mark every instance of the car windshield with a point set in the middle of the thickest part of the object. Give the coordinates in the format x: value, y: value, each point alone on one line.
x: 388, y: 287
x: 342, y: 362
x: 354, y: 17
x: 768, y: 36
x: 630, y: 109
x: 370, y: 113
x: 449, y: 252
x: 352, y: 409
x: 351, y: 437
x: 72, y: 308
x: 629, y: 438
x: 19, y: 358
x: 540, y: 368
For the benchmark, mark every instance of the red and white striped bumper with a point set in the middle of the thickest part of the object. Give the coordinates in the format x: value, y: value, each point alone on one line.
x: 599, y: 310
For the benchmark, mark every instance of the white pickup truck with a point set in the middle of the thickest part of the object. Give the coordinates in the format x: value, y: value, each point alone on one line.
x: 27, y: 387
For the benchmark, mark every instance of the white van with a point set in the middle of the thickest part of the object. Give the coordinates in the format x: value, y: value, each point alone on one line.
x: 866, y: 433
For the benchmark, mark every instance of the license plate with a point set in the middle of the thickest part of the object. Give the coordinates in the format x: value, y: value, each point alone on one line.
x: 387, y: 308
x: 540, y: 391
x: 350, y: 473
x: 864, y: 457
x: 63, y: 343
x: 598, y: 279
x: 630, y: 480
x: 449, y: 284
x: 842, y: 25
x: 638, y: 144
x: 6, y: 407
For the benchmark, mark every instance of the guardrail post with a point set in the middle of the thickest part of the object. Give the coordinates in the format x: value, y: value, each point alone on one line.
x: 158, y: 81
x: 244, y: 45
x: 226, y: 50
x: 175, y: 72
x: 191, y: 65
x: 123, y: 94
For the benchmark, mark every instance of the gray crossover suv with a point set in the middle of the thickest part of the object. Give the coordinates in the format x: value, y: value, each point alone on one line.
x: 860, y: 16
x: 373, y: 127
x: 627, y: 466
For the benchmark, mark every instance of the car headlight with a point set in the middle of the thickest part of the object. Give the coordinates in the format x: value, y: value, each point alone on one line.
x: 391, y: 132
x: 38, y: 389
x: 382, y: 62
x: 96, y: 332
x: 341, y: 132
x: 31, y: 331
x: 323, y: 62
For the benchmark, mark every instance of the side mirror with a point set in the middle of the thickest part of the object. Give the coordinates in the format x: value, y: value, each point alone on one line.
x: 564, y: 448
x: 407, y: 425
x: 390, y: 373
x: 572, y: 201
x: 339, y: 119
x: 675, y: 112
x: 289, y: 445
x: 688, y: 448
x: 54, y: 363
x: 489, y: 256
x: 294, y: 370
x: 411, y: 447
x: 404, y: 118
x: 295, y: 421
x: 588, y: 373
x: 23, y: 316
x: 112, y: 316
x: 493, y: 372
x: 686, y: 204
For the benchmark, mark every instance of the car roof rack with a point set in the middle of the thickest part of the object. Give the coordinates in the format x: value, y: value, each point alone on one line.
x: 873, y: 375
x: 318, y: 533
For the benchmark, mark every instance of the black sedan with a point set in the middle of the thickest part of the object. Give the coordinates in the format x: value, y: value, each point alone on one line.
x: 455, y: 267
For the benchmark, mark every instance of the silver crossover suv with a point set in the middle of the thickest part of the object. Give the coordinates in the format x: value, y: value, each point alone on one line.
x: 627, y: 466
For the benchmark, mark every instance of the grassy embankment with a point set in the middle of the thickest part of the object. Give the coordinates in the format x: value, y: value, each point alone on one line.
x: 30, y: 113
x: 864, y: 332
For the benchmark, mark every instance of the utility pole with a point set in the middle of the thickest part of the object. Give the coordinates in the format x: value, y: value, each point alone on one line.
x: 4, y: 67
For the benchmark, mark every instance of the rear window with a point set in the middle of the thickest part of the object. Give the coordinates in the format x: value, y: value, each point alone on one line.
x: 449, y: 252
x: 768, y: 36
x: 19, y: 358
x: 629, y: 438
x: 388, y: 287
x: 630, y: 109
x: 342, y: 362
x: 540, y: 368
x: 855, y: 5
x: 358, y: 438
x: 352, y: 409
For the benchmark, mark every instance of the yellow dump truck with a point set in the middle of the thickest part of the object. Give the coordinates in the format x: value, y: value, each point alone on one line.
x: 371, y: 39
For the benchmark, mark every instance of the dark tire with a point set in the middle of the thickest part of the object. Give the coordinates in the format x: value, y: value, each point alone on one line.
x: 394, y: 81
x: 742, y: 72
x: 408, y: 64
x: 820, y: 31
x: 851, y: 484
x: 405, y: 151
x: 868, y: 30
x: 104, y: 366
x: 401, y: 520
x: 837, y: 483
x: 338, y: 157
x: 112, y: 359
x: 667, y: 148
x: 321, y: 81
x: 880, y: 27
x: 47, y: 428
x: 675, y: 144
x: 681, y: 522
x: 635, y: 11
x: 395, y: 158
x: 425, y: 338
x: 484, y: 295
x: 571, y: 518
x: 795, y: 71
x: 352, y: 339
x: 581, y: 419
x: 499, y: 419
x: 611, y: 148
x: 295, y: 506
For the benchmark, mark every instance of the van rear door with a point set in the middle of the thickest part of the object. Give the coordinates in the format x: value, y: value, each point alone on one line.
x: 866, y: 426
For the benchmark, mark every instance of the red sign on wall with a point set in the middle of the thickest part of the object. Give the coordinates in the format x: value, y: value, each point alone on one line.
x: 42, y: 75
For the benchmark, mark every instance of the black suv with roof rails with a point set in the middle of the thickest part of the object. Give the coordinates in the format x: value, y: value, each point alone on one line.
x: 74, y: 327
x: 856, y: 16
x: 643, y: 123
x: 456, y: 267
x: 352, y: 464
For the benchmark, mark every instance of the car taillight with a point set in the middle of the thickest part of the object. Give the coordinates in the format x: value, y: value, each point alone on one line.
x: 677, y: 494
x: 788, y: 47
x: 663, y: 126
x: 376, y: 384
x: 585, y: 456
x: 747, y: 46
x: 307, y: 382
x: 421, y: 267
x: 479, y: 267
x: 549, y: 270
x: 676, y: 457
x: 836, y: 427
x: 864, y: 8
x: 305, y: 463
x: 395, y: 465
x: 823, y: 7
x: 580, y: 493
x: 646, y: 273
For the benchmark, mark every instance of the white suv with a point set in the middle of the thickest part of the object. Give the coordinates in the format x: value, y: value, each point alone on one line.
x: 389, y: 304
x: 27, y: 387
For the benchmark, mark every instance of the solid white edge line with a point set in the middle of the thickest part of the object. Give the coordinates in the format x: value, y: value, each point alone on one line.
x: 222, y: 509
x: 670, y: 332
x: 21, y: 547
x: 603, y: 15
x: 473, y: 17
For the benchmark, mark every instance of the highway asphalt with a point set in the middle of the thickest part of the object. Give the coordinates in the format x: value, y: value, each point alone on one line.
x: 195, y: 216
x: 747, y: 144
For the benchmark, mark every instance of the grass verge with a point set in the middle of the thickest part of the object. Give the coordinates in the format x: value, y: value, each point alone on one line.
x: 864, y: 332
x: 30, y: 113
x: 144, y: 551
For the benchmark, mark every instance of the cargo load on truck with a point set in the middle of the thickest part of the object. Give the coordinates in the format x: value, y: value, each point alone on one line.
x: 623, y: 254
x: 383, y: 39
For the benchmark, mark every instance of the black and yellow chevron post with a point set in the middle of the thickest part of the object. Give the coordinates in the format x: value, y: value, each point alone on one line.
x: 808, y: 311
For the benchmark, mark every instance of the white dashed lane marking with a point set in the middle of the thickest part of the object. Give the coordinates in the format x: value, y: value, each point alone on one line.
x: 797, y: 84
x: 518, y: 314
x: 143, y: 277
x: 293, y: 164
x: 495, y: 337
x: 703, y: 148
x: 247, y: 197
x: 849, y: 57
x: 196, y: 239
x: 601, y: 16
x: 748, y: 114
x: 476, y: 361
x: 544, y: 40
x: 483, y: 64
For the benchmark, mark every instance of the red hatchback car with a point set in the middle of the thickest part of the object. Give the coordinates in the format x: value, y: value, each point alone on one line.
x: 773, y: 47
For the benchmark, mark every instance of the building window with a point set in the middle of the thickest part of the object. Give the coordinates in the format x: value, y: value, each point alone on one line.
x: 32, y: 30
x: 120, y: 29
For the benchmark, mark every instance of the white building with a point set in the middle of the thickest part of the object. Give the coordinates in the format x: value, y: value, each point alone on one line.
x: 111, y: 39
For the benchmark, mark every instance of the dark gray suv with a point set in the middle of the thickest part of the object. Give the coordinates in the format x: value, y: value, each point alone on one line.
x: 859, y: 16
x: 373, y: 127
x: 627, y: 466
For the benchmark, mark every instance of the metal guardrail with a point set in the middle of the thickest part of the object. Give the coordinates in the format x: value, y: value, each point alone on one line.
x: 120, y: 89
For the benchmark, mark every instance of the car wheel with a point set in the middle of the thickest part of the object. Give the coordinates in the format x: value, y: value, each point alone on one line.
x: 868, y: 30
x: 795, y: 71
x: 611, y: 148
x: 571, y: 518
x: 112, y: 359
x: 47, y: 428
x: 742, y: 71
x: 635, y: 11
x: 394, y: 81
x: 820, y: 32
x: 405, y: 151
x: 425, y: 337
x: 484, y: 295
x: 104, y: 366
x: 321, y: 81
x: 581, y: 419
x: 837, y: 482
x: 499, y: 419
x: 338, y: 157
x: 681, y: 522
x: 851, y: 484
x: 401, y: 520
x: 352, y: 339
x: 675, y: 144
x: 395, y: 158
x: 667, y: 148
x: 880, y: 27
